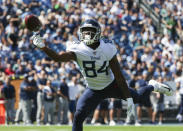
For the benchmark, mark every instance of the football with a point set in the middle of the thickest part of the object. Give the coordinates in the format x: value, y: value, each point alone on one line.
x: 32, y: 22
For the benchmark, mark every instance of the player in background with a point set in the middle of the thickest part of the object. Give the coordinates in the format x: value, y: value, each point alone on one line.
x: 99, y: 66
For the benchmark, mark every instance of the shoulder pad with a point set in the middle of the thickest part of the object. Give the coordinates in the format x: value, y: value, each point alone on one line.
x: 107, y: 40
x: 76, y: 42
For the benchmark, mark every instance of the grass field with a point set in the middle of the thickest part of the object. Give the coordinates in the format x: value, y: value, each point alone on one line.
x: 92, y: 128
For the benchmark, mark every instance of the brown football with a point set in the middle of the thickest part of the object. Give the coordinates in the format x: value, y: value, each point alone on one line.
x: 32, y: 22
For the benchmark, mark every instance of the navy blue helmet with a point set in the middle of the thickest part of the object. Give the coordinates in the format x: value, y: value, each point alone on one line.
x: 90, y: 31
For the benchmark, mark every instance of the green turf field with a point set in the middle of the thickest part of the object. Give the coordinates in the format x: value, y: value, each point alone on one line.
x: 92, y: 128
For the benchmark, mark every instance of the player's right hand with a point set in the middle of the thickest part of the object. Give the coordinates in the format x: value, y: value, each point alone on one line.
x: 37, y: 41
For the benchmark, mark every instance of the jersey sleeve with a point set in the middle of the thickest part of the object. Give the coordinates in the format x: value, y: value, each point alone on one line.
x: 73, y: 47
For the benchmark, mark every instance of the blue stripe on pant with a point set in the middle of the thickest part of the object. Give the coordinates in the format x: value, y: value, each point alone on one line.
x: 91, y: 98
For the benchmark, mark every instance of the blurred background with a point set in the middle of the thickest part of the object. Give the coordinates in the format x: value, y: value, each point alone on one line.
x: 36, y: 90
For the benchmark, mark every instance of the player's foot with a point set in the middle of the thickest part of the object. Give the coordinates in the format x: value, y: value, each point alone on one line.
x: 179, y: 117
x: 160, y: 123
x: 137, y: 123
x: 162, y: 88
x: 70, y: 122
x: 127, y: 123
x: 93, y: 121
x: 153, y: 123
x: 104, y: 122
x: 120, y: 122
x: 112, y: 123
x: 47, y: 124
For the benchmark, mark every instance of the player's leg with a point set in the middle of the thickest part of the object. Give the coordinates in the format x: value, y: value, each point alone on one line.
x: 143, y: 93
x: 12, y: 111
x: 18, y: 112
x: 155, y: 110
x: 65, y: 111
x: 85, y: 105
x: 150, y: 111
x: 39, y: 107
x: 162, y: 88
x: 59, y: 110
x: 179, y: 115
x: 72, y: 107
x: 52, y: 107
x: 26, y: 106
x: 7, y: 105
x: 46, y: 111
x: 136, y: 118
x: 95, y: 115
x: 104, y: 111
x: 118, y: 108
x: 139, y: 112
x: 111, y: 112
x: 161, y: 111
x: 140, y: 96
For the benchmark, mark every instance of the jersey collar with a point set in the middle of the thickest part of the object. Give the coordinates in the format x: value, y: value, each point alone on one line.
x: 98, y: 48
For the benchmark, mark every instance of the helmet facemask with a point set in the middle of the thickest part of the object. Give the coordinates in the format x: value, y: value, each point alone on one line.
x: 89, y: 35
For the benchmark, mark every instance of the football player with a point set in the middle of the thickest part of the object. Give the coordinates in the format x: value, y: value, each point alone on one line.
x: 97, y: 60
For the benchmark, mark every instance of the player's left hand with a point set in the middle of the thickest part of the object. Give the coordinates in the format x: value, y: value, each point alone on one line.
x: 130, y: 107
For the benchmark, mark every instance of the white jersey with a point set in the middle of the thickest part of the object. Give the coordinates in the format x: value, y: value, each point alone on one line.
x: 94, y: 64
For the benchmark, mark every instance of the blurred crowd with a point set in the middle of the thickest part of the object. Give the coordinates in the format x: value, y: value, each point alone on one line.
x: 52, y: 87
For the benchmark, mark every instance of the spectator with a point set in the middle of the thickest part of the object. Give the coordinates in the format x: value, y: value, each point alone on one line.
x: 179, y: 85
x: 9, y: 95
x: 1, y: 87
x: 20, y: 71
x: 158, y: 107
x: 73, y: 71
x: 119, y: 20
x: 33, y: 83
x: 73, y: 96
x: 49, y: 104
x: 26, y: 94
x: 41, y: 82
x: 63, y: 94
x: 157, y: 100
x: 147, y: 105
x: 9, y: 70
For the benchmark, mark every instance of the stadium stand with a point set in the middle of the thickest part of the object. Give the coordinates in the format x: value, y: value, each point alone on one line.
x: 149, y: 41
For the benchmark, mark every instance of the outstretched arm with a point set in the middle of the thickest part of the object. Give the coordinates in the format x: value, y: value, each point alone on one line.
x: 121, y: 81
x: 63, y: 57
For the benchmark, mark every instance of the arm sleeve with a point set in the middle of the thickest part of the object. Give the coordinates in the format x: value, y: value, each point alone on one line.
x: 73, y: 47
